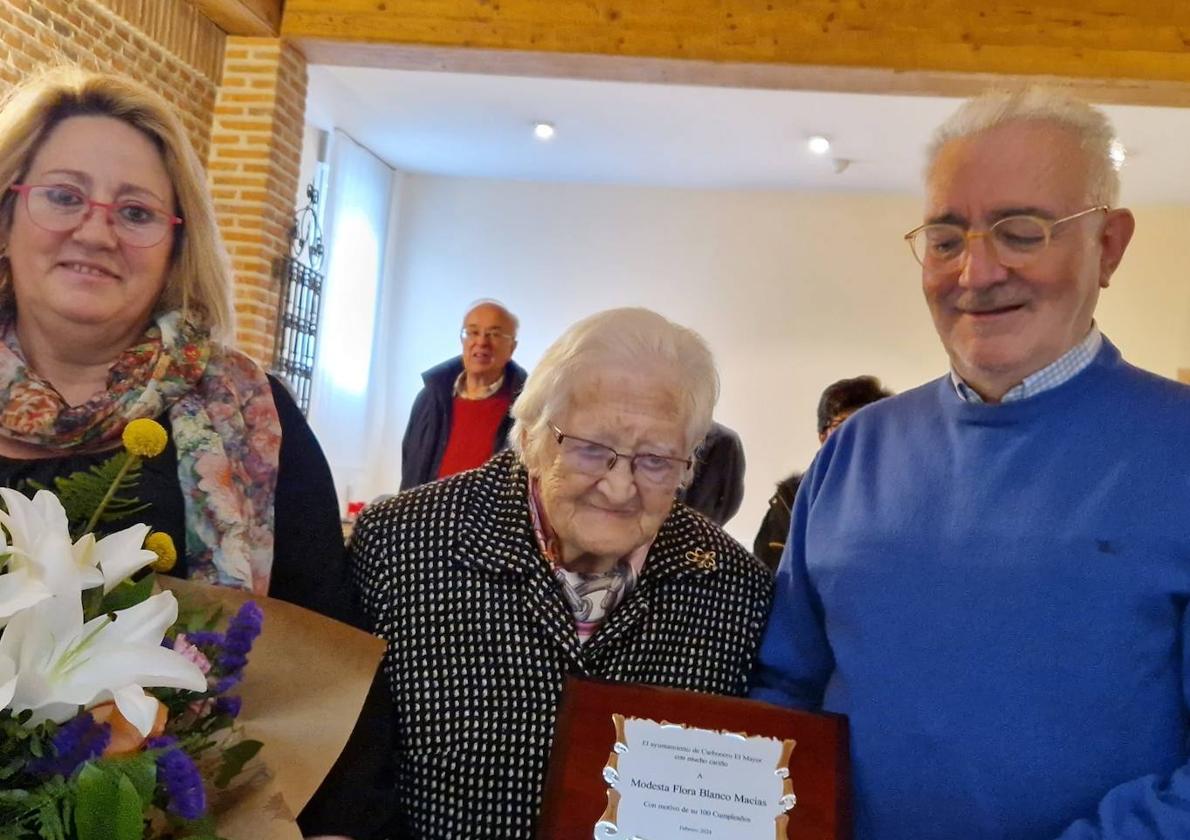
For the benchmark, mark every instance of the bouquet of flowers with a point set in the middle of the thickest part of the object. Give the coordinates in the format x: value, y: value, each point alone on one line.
x: 117, y: 716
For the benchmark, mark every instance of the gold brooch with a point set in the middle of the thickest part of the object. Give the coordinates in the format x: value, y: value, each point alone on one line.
x: 705, y: 560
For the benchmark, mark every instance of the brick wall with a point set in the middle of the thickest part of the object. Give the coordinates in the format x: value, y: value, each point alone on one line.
x: 254, y: 164
x: 165, y: 43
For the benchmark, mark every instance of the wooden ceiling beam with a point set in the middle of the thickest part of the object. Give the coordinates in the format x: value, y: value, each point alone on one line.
x: 725, y: 74
x: 254, y: 18
x: 1115, y: 41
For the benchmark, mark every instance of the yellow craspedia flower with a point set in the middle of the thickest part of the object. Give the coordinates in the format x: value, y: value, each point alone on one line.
x: 162, y: 544
x: 144, y: 437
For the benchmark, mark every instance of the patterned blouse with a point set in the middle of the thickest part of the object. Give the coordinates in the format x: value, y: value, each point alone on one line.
x: 480, y: 639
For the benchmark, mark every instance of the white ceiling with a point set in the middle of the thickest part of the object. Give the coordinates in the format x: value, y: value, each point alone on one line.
x: 683, y: 136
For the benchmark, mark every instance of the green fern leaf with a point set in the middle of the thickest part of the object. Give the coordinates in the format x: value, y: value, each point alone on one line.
x: 82, y: 492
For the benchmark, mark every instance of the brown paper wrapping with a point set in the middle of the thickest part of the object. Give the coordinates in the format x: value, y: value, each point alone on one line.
x: 305, y: 684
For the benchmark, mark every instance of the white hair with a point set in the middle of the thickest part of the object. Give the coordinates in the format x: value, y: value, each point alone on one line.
x: 1089, y: 125
x: 629, y: 339
x: 494, y: 304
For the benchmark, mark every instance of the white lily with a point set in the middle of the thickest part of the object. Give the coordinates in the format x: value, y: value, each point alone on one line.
x: 62, y: 664
x: 31, y: 520
x: 40, y: 543
x: 19, y: 588
x: 39, y: 532
x: 118, y: 556
x: 8, y: 681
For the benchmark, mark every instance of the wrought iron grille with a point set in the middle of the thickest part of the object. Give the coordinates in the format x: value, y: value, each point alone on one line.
x: 301, y: 284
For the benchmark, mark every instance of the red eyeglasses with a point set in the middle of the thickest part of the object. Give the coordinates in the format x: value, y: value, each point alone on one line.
x: 59, y: 208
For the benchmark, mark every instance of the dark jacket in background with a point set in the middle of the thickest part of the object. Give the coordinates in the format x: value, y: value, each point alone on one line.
x: 717, y: 488
x: 774, y: 530
x: 429, y: 421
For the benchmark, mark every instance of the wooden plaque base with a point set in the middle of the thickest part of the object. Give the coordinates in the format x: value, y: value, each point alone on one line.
x: 575, y: 793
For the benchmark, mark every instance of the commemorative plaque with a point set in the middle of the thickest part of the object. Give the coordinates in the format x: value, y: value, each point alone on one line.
x: 634, y: 762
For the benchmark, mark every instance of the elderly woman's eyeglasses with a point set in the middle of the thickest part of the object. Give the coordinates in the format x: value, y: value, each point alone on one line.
x: 471, y: 334
x: 596, y: 460
x: 59, y: 208
x: 1016, y: 240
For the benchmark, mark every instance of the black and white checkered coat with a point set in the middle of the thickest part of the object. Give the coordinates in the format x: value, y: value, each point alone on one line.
x: 480, y: 639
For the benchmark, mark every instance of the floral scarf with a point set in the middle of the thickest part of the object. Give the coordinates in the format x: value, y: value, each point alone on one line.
x: 591, y: 596
x: 225, y: 429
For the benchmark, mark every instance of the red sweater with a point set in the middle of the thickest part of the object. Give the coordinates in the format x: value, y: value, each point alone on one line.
x: 473, y: 427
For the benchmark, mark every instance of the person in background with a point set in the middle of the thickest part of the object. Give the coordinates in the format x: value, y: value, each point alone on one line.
x: 839, y: 401
x: 990, y: 574
x: 564, y: 556
x: 717, y: 488
x: 460, y: 417
x: 115, y: 304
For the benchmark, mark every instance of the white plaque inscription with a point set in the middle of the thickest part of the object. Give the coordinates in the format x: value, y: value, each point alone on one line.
x: 672, y: 782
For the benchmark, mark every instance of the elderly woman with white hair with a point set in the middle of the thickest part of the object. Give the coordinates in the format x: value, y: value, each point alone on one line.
x: 566, y: 555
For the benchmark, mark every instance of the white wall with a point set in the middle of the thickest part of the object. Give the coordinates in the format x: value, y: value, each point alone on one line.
x: 1146, y: 310
x: 793, y: 291
x: 308, y: 168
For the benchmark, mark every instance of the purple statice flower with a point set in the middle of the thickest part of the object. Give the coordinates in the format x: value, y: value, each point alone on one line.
x: 75, y: 742
x: 205, y: 638
x: 229, y: 706
x: 233, y: 662
x: 242, y: 631
x: 183, y: 783
x: 227, y: 683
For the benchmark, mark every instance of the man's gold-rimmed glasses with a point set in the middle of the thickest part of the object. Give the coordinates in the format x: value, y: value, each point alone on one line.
x: 1016, y: 240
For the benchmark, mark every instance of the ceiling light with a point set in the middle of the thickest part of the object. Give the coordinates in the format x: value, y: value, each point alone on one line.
x: 1117, y: 153
x: 818, y: 144
x: 544, y: 131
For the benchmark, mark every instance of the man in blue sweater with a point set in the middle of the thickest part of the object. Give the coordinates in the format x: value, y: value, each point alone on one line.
x: 989, y: 574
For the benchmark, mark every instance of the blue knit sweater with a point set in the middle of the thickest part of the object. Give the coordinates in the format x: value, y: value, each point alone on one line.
x: 996, y: 596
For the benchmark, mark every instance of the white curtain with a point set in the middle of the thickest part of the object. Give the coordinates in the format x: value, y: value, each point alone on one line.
x: 388, y: 408
x: 359, y: 195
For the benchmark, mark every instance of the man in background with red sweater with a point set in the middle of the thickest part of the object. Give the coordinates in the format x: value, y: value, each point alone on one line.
x: 460, y: 418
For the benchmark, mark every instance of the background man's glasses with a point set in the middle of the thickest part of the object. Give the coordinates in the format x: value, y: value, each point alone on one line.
x: 490, y: 335
x: 59, y: 208
x: 596, y: 460
x: 1016, y: 240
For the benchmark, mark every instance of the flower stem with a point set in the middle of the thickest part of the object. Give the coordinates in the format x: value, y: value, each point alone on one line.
x: 128, y: 464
